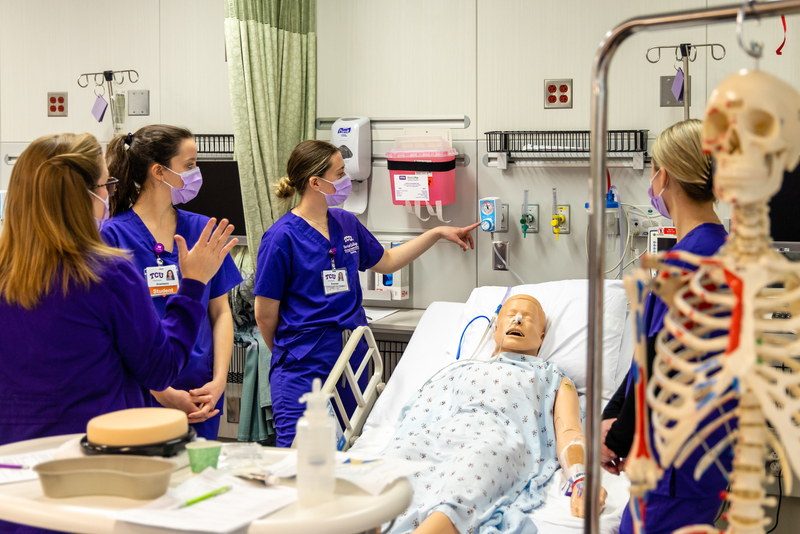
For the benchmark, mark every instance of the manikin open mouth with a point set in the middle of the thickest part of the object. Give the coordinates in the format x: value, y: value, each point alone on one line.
x: 515, y: 332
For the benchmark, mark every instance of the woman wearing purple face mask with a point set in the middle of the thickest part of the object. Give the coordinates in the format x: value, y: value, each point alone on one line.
x: 156, y: 168
x: 302, y: 306
x: 681, y: 189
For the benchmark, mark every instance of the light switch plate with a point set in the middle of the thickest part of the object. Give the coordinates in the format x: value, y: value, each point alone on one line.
x: 558, y: 93
x: 667, y: 98
x: 139, y: 102
x: 57, y: 104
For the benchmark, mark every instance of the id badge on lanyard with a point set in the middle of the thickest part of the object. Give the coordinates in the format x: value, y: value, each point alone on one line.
x: 335, y: 280
x: 163, y: 279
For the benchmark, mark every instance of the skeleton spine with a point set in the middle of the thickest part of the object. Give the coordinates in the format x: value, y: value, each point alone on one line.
x: 747, y: 495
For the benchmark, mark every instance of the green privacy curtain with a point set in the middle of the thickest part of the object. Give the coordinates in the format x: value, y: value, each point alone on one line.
x: 272, y: 54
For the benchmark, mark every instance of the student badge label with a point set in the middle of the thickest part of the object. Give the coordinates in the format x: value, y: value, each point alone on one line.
x: 335, y: 281
x: 162, y: 280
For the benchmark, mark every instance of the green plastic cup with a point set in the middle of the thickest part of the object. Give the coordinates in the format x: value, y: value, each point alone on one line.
x: 203, y: 454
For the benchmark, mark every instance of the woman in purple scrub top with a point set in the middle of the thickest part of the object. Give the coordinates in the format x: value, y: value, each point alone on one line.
x: 156, y: 168
x: 307, y: 288
x: 79, y: 336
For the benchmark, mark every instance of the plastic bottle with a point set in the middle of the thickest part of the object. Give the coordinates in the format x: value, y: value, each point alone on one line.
x: 316, y: 449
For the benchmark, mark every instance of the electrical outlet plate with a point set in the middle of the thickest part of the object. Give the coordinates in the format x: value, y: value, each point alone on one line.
x: 533, y: 226
x: 139, y: 102
x: 667, y: 98
x: 558, y: 93
x: 502, y: 248
x: 563, y: 209
x: 57, y: 104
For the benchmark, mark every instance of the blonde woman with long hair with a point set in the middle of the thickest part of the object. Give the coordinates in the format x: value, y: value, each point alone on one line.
x: 78, y: 334
x: 681, y: 189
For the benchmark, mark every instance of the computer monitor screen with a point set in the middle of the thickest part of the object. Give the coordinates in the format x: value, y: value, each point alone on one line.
x: 221, y: 194
x: 784, y: 212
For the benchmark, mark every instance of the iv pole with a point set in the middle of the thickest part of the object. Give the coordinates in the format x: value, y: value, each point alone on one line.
x: 683, y: 52
x: 597, y: 165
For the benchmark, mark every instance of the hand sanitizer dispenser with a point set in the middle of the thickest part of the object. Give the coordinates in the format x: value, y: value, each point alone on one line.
x: 353, y: 138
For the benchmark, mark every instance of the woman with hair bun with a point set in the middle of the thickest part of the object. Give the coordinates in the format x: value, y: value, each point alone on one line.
x: 157, y: 169
x: 302, y: 308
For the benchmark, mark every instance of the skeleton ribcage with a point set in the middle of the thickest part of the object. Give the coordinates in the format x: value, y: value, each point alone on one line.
x: 693, y: 389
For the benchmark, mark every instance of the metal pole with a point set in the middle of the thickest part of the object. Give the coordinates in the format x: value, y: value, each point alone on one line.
x: 597, y: 162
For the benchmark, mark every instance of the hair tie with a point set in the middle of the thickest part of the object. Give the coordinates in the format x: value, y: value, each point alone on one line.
x: 129, y: 139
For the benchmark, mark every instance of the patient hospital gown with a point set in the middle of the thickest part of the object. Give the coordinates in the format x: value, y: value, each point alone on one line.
x: 487, y: 430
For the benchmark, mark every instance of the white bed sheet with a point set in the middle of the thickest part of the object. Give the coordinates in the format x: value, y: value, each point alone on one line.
x: 436, y: 328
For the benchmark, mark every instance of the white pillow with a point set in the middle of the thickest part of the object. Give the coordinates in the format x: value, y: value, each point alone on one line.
x: 566, y: 304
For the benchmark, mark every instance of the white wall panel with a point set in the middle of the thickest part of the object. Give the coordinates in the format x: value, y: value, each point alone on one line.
x: 46, y: 44
x: 177, y: 46
x: 383, y: 58
x: 770, y: 32
x: 194, y: 74
x: 523, y: 42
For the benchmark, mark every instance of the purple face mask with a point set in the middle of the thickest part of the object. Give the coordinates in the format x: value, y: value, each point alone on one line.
x: 343, y: 187
x: 106, y: 211
x: 657, y: 201
x: 192, y: 182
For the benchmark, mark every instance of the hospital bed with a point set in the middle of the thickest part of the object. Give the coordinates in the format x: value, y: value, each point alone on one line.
x: 435, y: 343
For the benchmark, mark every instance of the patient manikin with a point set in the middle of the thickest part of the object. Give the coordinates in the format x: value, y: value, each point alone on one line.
x: 494, y: 432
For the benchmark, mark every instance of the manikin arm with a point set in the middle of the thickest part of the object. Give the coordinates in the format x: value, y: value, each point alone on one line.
x: 570, y: 445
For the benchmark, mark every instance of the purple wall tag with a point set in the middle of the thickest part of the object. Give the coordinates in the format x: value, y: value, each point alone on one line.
x: 677, y: 85
x: 99, y: 108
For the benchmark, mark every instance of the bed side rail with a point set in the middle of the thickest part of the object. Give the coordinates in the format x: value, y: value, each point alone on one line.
x: 365, y: 399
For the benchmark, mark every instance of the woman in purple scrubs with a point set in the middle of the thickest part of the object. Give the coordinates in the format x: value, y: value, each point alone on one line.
x: 302, y: 306
x: 681, y: 189
x: 78, y: 334
x: 157, y: 169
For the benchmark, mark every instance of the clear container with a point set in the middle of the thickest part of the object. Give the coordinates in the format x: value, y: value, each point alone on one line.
x: 316, y: 450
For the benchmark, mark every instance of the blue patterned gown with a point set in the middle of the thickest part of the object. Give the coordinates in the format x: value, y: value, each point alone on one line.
x: 488, y: 430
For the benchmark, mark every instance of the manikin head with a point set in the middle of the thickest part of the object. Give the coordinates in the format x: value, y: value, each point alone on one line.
x: 526, y: 336
x: 752, y: 128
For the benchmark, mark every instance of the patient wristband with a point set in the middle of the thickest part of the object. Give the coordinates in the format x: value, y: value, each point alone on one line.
x: 572, y: 482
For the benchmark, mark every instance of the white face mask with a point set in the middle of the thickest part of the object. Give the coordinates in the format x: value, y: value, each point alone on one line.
x: 106, y: 210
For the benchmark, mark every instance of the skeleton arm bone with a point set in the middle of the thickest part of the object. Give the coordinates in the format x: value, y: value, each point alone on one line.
x: 570, y: 445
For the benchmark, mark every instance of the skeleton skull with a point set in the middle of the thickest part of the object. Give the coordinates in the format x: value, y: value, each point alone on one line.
x: 752, y: 129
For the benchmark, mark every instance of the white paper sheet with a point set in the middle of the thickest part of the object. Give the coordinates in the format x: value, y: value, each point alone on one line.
x: 368, y: 472
x: 29, y: 460
x: 224, y: 513
x: 376, y: 314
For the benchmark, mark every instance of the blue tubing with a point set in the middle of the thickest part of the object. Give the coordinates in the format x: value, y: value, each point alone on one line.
x: 458, y: 354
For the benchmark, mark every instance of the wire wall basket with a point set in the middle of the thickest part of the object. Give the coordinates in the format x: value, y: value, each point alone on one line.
x: 219, y: 145
x: 536, y: 142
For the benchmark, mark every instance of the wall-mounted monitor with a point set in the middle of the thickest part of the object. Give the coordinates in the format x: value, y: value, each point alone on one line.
x: 784, y: 213
x: 220, y: 196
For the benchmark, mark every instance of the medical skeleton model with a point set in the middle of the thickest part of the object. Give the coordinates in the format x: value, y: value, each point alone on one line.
x: 752, y: 129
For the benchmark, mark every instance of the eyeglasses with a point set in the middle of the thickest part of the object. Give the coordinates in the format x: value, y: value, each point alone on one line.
x: 110, y: 185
